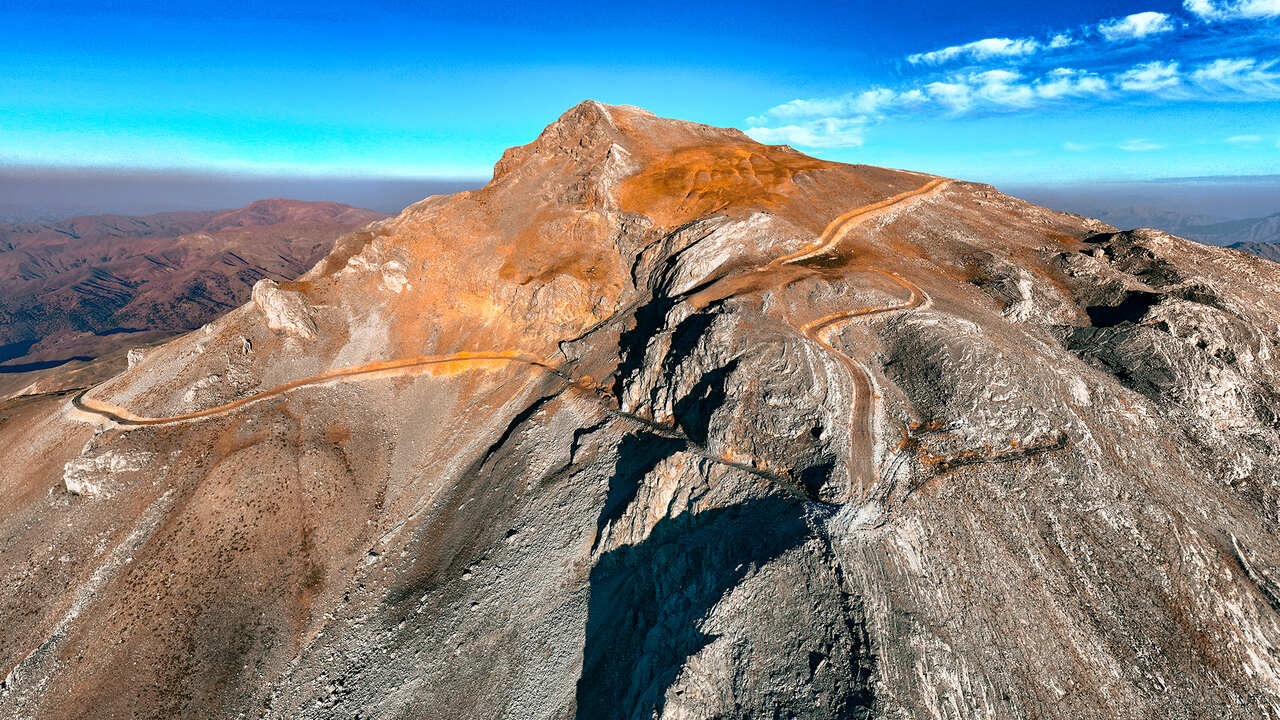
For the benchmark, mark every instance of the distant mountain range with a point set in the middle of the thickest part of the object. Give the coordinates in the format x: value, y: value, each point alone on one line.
x: 1268, y: 250
x: 1259, y: 236
x: 662, y: 422
x: 1233, y: 233
x: 83, y: 287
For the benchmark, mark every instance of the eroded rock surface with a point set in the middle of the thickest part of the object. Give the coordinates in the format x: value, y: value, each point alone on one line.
x: 666, y: 423
x: 285, y: 310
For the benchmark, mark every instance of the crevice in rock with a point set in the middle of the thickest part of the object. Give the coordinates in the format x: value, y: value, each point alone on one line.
x: 693, y: 411
x: 638, y: 454
x: 815, y: 478
x: 684, y: 338
x: 520, y: 419
x: 1131, y: 309
x: 1265, y: 586
x: 633, y: 342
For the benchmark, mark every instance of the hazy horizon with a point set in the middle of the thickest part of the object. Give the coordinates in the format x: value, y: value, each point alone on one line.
x: 44, y: 194
x: 35, y: 194
x: 1222, y: 198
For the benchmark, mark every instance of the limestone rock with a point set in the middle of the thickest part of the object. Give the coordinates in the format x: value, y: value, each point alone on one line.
x: 286, y: 310
x: 86, y: 475
x: 665, y: 423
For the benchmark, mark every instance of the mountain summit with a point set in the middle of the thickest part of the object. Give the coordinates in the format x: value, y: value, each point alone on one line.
x: 663, y: 422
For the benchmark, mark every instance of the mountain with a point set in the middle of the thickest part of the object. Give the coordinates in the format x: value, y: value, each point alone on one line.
x: 1252, y: 235
x: 1238, y: 232
x: 1171, y: 221
x: 1260, y: 236
x: 663, y: 422
x: 1268, y: 250
x: 84, y: 287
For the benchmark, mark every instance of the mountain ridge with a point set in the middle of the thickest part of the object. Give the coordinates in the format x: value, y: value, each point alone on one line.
x: 80, y: 283
x: 663, y: 422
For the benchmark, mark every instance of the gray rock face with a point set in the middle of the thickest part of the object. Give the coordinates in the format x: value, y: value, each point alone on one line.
x: 285, y: 309
x: 827, y: 441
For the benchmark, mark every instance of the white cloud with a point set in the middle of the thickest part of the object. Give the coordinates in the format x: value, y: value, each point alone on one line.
x: 1244, y: 77
x: 1214, y: 10
x: 1002, y: 88
x: 822, y: 132
x: 955, y: 96
x: 978, y: 50
x: 1069, y: 82
x: 870, y: 102
x: 842, y: 121
x: 1076, y: 147
x: 1140, y: 145
x: 1245, y: 139
x: 1061, y: 40
x: 1138, y: 25
x: 1150, y: 77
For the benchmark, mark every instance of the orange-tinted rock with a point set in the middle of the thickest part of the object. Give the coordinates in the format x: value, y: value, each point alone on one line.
x: 666, y: 423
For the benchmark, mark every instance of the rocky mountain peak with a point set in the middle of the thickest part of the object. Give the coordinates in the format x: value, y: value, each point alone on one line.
x: 597, y: 139
x: 664, y: 422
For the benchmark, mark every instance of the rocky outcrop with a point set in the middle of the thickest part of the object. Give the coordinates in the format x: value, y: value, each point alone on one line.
x: 87, y: 474
x: 285, y: 309
x: 666, y: 423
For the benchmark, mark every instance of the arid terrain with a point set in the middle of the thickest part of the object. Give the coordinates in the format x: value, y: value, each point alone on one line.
x: 1259, y: 236
x: 91, y: 287
x: 664, y: 422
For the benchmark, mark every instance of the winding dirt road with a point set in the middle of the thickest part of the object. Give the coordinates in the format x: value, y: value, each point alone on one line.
x: 862, y: 463
x: 836, y: 230
x: 787, y: 269
x: 863, y: 468
x: 388, y: 368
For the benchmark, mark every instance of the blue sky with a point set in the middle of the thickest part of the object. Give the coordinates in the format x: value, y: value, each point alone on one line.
x: 995, y: 91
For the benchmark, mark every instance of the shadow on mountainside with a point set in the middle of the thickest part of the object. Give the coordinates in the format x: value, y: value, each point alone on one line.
x: 638, y: 454
x: 648, y: 600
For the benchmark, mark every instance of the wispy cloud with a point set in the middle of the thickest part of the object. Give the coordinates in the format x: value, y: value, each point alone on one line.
x: 979, y: 50
x: 1022, y: 74
x: 1136, y: 26
x: 1070, y: 82
x: 1140, y: 145
x: 819, y: 133
x: 1245, y: 77
x: 1076, y: 147
x: 1150, y: 77
x: 1061, y: 40
x: 868, y: 102
x: 957, y: 94
x: 843, y: 120
x: 1245, y: 139
x: 1214, y: 11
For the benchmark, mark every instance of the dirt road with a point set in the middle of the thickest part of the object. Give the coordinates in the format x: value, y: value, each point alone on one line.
x: 863, y: 468
x: 862, y: 411
x: 388, y: 368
